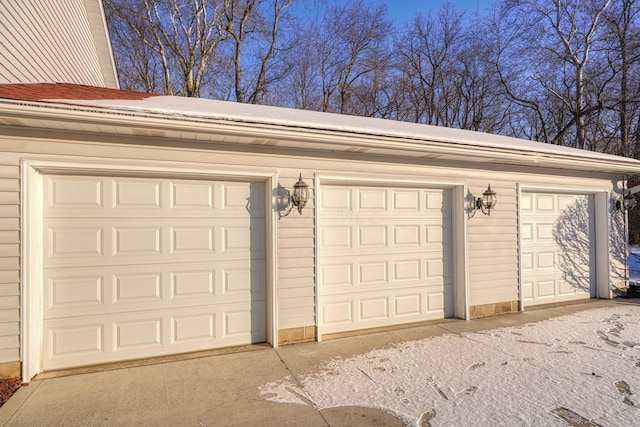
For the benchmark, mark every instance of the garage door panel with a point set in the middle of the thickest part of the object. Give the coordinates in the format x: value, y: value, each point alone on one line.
x: 376, y: 309
x: 385, y: 256
x: 90, y: 339
x: 73, y: 193
x: 74, y: 242
x: 376, y: 203
x: 557, y: 250
x: 141, y: 267
x: 394, y: 271
x: 81, y: 196
x: 83, y: 291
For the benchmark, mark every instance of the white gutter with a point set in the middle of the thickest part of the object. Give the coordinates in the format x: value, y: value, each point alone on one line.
x: 301, y: 137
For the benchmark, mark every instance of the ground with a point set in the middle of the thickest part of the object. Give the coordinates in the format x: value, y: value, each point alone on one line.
x: 578, y: 370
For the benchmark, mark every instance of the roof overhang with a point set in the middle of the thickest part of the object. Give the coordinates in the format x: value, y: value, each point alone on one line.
x: 421, y: 142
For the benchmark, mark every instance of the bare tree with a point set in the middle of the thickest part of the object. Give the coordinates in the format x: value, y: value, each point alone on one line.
x: 623, y: 56
x: 429, y: 50
x: 560, y: 46
x: 182, y: 35
x: 246, y: 25
x: 448, y: 78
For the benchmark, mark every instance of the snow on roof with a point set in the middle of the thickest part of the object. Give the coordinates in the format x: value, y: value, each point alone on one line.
x: 200, y: 109
x: 267, y: 115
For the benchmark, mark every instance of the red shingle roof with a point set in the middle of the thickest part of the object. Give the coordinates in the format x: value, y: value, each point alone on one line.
x: 48, y: 91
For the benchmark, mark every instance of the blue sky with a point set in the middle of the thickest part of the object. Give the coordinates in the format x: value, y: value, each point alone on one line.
x: 401, y: 11
x: 404, y: 10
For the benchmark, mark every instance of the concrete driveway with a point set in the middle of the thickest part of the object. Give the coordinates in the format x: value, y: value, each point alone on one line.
x: 222, y: 389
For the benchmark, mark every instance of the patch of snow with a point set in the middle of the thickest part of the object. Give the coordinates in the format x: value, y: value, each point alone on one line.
x: 584, y: 366
x: 178, y: 106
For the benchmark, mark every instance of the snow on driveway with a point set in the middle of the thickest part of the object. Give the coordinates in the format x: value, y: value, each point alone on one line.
x: 581, y: 369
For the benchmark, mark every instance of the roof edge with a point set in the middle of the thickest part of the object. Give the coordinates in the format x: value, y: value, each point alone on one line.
x: 81, y: 115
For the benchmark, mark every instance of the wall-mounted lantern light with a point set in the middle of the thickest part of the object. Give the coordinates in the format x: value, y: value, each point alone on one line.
x: 300, y: 194
x: 627, y: 203
x: 487, y: 201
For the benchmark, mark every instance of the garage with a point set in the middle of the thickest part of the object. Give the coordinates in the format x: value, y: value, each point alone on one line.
x: 557, y: 247
x: 384, y: 256
x: 137, y: 267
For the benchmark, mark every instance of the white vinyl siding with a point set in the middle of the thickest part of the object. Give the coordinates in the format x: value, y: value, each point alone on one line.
x: 9, y: 259
x: 296, y: 259
x: 143, y: 267
x: 493, y: 246
x: 384, y: 256
x: 53, y: 41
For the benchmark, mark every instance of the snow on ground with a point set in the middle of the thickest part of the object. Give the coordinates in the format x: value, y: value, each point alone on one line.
x: 580, y: 369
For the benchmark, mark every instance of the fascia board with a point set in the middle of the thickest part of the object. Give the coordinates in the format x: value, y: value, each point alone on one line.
x: 301, y: 137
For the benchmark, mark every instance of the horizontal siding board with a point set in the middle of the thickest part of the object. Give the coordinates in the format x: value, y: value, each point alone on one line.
x: 9, y: 211
x: 294, y: 303
x: 504, y: 288
x: 296, y: 243
x: 480, y: 247
x: 9, y: 263
x: 476, y: 256
x: 296, y: 282
x: 298, y: 221
x: 495, y: 266
x: 296, y: 293
x: 9, y: 342
x: 296, y: 322
x: 9, y: 237
x: 290, y: 273
x: 285, y: 263
x: 297, y: 313
x: 296, y: 252
x: 495, y: 225
x: 9, y: 289
x: 10, y: 315
x: 294, y: 233
x: 495, y: 261
x: 11, y: 276
x: 10, y: 355
x: 9, y: 250
x: 7, y: 184
x: 9, y: 302
x: 9, y: 328
x: 9, y: 171
x: 492, y: 295
x: 9, y: 224
x: 488, y: 279
x: 9, y: 197
x: 492, y: 238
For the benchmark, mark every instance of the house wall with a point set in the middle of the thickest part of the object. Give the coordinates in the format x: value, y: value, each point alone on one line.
x: 492, y: 240
x: 55, y: 41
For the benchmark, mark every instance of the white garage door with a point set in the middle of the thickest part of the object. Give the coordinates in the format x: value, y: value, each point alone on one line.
x: 142, y: 267
x: 385, y: 256
x: 558, y: 250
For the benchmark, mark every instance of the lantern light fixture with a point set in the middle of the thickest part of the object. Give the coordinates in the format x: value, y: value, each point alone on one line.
x: 487, y: 202
x: 300, y: 194
x: 627, y: 203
